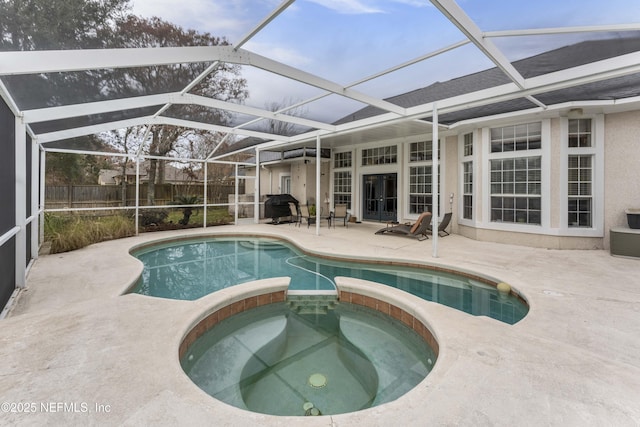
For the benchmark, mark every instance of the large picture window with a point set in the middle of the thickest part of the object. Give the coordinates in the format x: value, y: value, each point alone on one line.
x: 515, y: 190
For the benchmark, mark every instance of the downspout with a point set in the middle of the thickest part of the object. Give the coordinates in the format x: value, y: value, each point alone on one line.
x: 434, y: 177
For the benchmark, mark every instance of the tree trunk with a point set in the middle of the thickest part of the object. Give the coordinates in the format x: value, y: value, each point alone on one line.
x: 151, y: 193
x: 123, y: 184
x: 161, y: 172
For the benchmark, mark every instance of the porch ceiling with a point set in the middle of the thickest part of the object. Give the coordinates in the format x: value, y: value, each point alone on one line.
x: 503, y: 86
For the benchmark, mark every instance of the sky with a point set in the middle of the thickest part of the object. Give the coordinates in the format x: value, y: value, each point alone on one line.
x: 347, y: 40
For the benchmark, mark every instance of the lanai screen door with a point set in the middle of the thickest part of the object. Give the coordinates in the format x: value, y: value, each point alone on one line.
x: 380, y: 199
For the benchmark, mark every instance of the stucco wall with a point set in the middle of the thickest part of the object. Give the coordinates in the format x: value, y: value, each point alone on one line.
x: 530, y: 239
x: 555, y: 175
x: 303, y: 178
x: 622, y: 168
x: 451, y: 177
x: 621, y: 173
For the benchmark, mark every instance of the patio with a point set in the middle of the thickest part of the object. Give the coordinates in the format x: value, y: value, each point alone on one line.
x: 574, y: 360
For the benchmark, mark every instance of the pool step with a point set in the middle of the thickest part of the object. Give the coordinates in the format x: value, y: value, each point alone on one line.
x: 312, y: 303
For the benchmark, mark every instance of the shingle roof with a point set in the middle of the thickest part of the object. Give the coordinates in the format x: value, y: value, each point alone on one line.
x: 544, y: 63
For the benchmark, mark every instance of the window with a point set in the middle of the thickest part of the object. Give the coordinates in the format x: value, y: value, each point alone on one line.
x: 467, y: 177
x: 468, y: 145
x: 422, y: 151
x: 580, y: 191
x: 579, y: 133
x: 421, y: 176
x: 342, y: 188
x: 285, y: 184
x: 516, y: 138
x: 515, y: 190
x: 380, y: 155
x: 342, y: 160
x: 467, y: 188
x: 580, y: 163
x: 420, y: 189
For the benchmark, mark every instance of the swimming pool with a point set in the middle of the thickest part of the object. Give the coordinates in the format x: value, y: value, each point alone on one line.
x: 279, y: 361
x: 190, y: 269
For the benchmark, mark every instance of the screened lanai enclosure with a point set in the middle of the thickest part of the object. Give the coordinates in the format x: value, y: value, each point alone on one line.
x: 281, y: 83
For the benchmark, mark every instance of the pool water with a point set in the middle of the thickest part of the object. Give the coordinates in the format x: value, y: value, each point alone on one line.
x: 191, y: 269
x: 276, y: 361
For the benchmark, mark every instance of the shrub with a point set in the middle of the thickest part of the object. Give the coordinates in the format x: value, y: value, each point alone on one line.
x: 68, y: 232
x: 147, y: 217
x: 186, y: 211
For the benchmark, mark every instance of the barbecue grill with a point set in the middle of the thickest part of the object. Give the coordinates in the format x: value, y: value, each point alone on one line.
x: 277, y: 206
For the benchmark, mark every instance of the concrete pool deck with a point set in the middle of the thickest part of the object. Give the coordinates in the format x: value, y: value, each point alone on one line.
x: 74, y: 351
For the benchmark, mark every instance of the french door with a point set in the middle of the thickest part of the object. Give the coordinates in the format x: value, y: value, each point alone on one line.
x: 380, y: 197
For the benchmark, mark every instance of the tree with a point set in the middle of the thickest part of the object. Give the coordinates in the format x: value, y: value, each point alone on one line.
x: 279, y: 127
x: 223, y: 83
x: 126, y: 141
x: 72, y: 24
x: 57, y: 24
x: 67, y: 168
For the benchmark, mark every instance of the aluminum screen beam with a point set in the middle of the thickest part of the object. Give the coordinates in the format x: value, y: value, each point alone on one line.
x: 267, y: 64
x: 76, y: 110
x: 142, y: 121
x: 563, y: 30
x: 267, y: 19
x: 460, y: 19
x: 596, y: 71
x: 34, y: 62
x: 52, y: 61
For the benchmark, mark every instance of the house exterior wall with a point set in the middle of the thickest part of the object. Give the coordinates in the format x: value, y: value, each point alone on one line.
x: 617, y: 169
x: 451, y: 179
x: 553, y: 230
x: 270, y: 178
x: 303, y: 180
x: 622, y: 168
x: 616, y: 166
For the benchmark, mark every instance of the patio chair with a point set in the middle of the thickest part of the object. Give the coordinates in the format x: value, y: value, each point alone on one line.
x: 417, y: 229
x: 340, y: 212
x: 304, y: 214
x: 295, y: 214
x: 446, y: 219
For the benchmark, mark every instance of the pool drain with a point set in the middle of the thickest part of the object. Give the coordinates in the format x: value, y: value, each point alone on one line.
x: 317, y: 381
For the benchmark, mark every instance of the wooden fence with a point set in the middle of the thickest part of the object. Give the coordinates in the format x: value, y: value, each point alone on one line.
x: 103, y: 196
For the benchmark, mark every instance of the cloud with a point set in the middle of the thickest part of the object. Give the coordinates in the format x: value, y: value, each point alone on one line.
x: 285, y: 54
x: 361, y: 7
x: 224, y: 18
x: 414, y: 3
x: 348, y: 6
